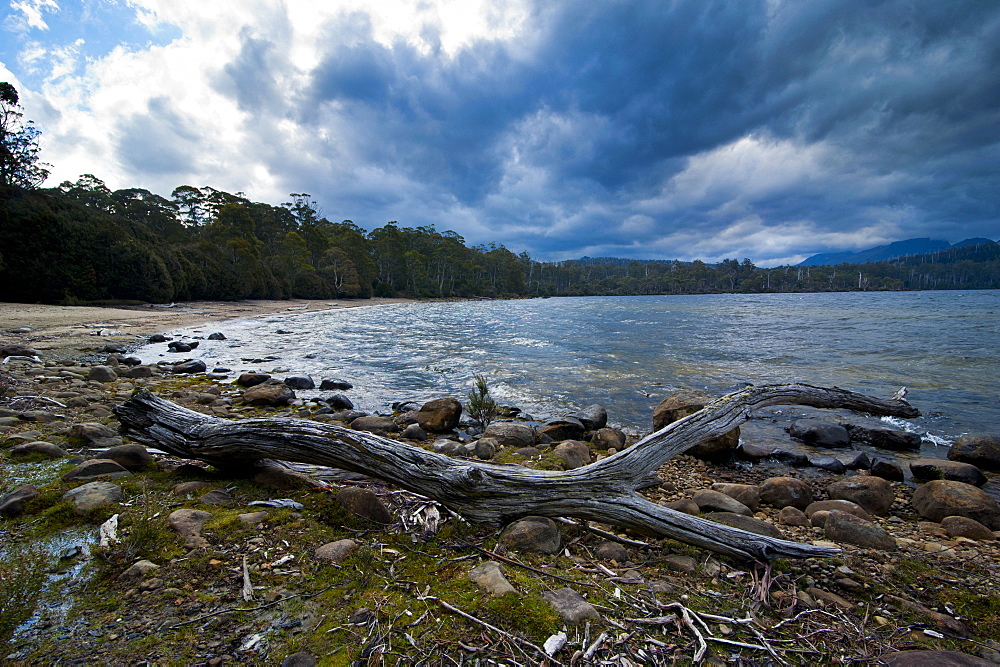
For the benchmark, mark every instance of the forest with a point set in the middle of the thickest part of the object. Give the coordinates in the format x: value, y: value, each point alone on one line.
x: 82, y: 243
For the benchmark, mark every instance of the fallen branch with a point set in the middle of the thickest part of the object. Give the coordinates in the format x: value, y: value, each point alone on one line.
x: 604, y: 491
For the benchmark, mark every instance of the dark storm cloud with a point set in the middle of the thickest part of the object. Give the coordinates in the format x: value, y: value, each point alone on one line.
x: 567, y: 140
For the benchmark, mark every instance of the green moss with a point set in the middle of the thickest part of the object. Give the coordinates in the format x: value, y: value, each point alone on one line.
x: 530, y: 615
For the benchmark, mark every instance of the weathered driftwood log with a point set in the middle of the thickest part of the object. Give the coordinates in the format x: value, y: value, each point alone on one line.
x: 487, y: 492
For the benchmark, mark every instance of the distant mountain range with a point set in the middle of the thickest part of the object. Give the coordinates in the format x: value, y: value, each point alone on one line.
x: 884, y: 253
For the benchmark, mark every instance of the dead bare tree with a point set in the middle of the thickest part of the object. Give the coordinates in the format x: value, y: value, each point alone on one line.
x: 488, y: 492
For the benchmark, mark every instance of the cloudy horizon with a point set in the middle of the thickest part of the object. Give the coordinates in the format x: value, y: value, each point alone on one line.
x: 689, y: 129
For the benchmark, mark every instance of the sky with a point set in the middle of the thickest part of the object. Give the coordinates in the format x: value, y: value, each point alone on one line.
x: 662, y: 129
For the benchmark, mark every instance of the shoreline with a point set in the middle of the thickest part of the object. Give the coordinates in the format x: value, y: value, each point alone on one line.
x: 73, y: 331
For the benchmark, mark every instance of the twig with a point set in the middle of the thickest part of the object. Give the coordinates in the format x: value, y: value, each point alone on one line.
x: 263, y: 606
x: 511, y: 561
x: 602, y: 533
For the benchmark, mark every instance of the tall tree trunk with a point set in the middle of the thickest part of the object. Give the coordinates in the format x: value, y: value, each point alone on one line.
x: 603, y: 491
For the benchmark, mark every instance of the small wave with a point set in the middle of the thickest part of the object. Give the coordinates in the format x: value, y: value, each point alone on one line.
x: 903, y: 425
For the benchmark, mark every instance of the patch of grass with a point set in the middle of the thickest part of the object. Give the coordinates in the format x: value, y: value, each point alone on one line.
x: 22, y: 574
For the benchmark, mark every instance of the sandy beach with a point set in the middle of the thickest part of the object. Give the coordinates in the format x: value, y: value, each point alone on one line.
x: 65, y: 331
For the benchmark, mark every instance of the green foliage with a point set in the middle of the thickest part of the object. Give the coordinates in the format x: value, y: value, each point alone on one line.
x: 481, y: 406
x: 22, y: 574
x: 19, y: 152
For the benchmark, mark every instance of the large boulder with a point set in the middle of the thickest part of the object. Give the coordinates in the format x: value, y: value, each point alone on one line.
x: 608, y: 438
x: 132, y: 457
x: 927, y: 469
x: 820, y: 433
x: 979, y: 450
x: 300, y: 382
x: 364, y: 503
x: 102, y: 374
x: 13, y: 503
x: 573, y: 453
x: 189, y: 366
x: 687, y: 402
x: 715, y: 501
x: 884, y: 438
x: 563, y: 428
x: 537, y: 534
x: 252, y: 379
x: 95, y: 494
x: 941, y: 498
x: 39, y: 447
x: 593, y: 417
x: 748, y: 494
x: 846, y: 527
x: 439, y: 415
x: 272, y: 392
x: 779, y: 492
x: 872, y: 493
x: 96, y: 469
x: 511, y: 434
x: 374, y: 424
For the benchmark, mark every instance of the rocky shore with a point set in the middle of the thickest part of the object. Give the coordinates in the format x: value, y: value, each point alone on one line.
x: 136, y: 556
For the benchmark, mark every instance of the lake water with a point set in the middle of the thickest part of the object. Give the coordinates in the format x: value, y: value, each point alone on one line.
x: 550, y: 356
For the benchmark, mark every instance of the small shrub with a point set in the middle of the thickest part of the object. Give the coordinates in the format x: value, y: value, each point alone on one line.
x: 482, y: 407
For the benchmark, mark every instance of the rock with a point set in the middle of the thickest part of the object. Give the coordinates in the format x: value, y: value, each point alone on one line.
x: 189, y: 366
x: 884, y: 438
x: 449, y: 447
x: 414, y: 432
x: 685, y: 505
x: 95, y: 435
x: 872, y: 493
x: 680, y: 563
x: 818, y: 519
x: 573, y: 453
x: 485, y: 448
x: 528, y: 452
x: 511, y: 434
x: 46, y: 449
x: 819, y: 433
x: 792, y: 516
x: 139, y: 569
x: 94, y: 494
x: 748, y: 494
x: 714, y: 501
x: 95, y: 468
x: 858, y: 461
x: 828, y: 598
x: 13, y: 503
x: 373, y: 424
x: 337, y: 552
x: 338, y: 402
x: 956, y: 471
x: 963, y: 526
x: 563, y: 428
x: 17, y: 351
x: 299, y: 659
x: 606, y: 438
x: 275, y: 394
x: 188, y: 524
x: 439, y: 415
x: 781, y: 492
x: 612, y: 551
x: 157, y: 338
x: 844, y: 527
x: 840, y: 505
x: 279, y: 478
x: 794, y: 459
x: 747, y: 523
x: 102, y: 374
x: 364, y: 503
x: 132, y: 457
x: 137, y: 372
x: 932, y: 659
x: 686, y: 402
x: 979, y: 450
x: 940, y: 498
x: 752, y: 452
x: 887, y: 470
x: 253, y: 518
x: 489, y: 577
x: 300, y: 382
x: 217, y: 497
x: 570, y: 605
x: 217, y: 336
x: 178, y: 346
x: 185, y: 488
x: 335, y: 385
x: 252, y: 379
x: 592, y: 417
x: 534, y: 533
x: 827, y: 463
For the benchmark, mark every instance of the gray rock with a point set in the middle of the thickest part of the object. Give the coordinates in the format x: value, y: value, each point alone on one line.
x: 335, y: 385
x: 217, y: 336
x: 607, y: 437
x: 963, y: 526
x: 927, y: 469
x: 785, y: 491
x: 95, y: 434
x: 873, y: 493
x: 301, y: 382
x: 217, y: 497
x: 511, y: 434
x: 752, y: 452
x: 189, y: 366
x: 940, y: 498
x: 138, y: 570
x: 40, y: 416
x: 489, y: 577
x: 338, y: 402
x: 485, y: 448
x: 94, y: 469
x: 188, y: 524
x: 375, y: 424
x: 840, y: 505
x: 884, y: 438
x: 137, y: 372
x: 592, y: 417
x: 439, y: 415
x: 858, y: 461
x: 252, y: 379
x: 528, y: 452
x: 534, y: 533
x: 979, y: 450
x: 748, y: 494
x: 364, y: 503
x: 820, y: 433
x: 275, y: 394
x: 93, y: 494
x: 337, y: 552
x: 793, y: 516
x: 414, y: 432
x: 887, y: 470
x: 680, y: 563
x: 46, y: 449
x: 563, y: 428
x: 844, y: 527
x: 686, y: 402
x: 570, y: 605
x: 132, y: 457
x: 573, y: 453
x: 828, y: 463
x: 300, y: 659
x: 794, y: 459
x: 13, y: 503
x: 612, y: 551
x: 714, y: 501
x: 747, y: 523
x: 102, y: 374
x: 685, y: 505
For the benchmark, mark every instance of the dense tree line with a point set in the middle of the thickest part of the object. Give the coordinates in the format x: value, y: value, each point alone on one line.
x: 81, y: 242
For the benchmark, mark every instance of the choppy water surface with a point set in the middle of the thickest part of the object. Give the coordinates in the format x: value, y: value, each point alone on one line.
x: 626, y: 353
